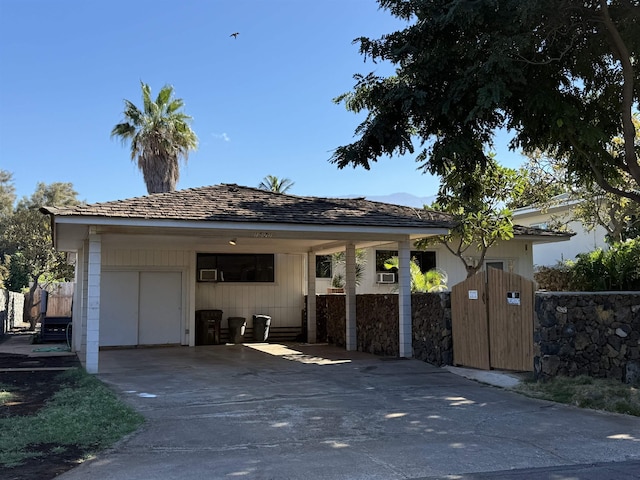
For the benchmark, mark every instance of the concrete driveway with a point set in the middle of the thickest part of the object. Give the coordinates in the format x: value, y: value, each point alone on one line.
x: 317, y: 412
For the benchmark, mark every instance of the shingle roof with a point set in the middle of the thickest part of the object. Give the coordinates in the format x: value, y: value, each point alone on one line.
x: 234, y: 203
x: 539, y: 232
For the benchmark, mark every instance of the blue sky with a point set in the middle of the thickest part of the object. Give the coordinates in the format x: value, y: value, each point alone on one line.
x: 261, y: 103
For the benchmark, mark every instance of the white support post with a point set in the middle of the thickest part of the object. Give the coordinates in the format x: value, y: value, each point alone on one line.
x: 350, y: 291
x: 93, y: 302
x: 404, y: 298
x: 311, y: 298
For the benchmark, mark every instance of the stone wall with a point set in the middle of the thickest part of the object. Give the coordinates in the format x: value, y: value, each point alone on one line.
x: 377, y: 324
x: 11, y: 310
x: 596, y: 334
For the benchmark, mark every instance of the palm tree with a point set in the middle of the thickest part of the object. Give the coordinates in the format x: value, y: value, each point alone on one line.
x: 160, y: 135
x: 275, y: 184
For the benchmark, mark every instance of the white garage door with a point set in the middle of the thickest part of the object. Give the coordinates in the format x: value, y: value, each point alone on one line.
x: 160, y: 308
x: 140, y: 308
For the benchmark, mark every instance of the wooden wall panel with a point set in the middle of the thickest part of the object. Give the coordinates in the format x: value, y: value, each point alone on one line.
x: 511, y: 303
x: 469, y: 323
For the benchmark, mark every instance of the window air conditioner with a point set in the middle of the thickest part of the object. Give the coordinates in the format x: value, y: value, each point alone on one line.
x: 386, y: 277
x: 208, y: 275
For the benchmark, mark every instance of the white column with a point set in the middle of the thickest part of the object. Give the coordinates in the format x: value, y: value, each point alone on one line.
x: 404, y: 298
x: 311, y: 297
x: 93, y: 302
x: 350, y: 291
x: 78, y: 302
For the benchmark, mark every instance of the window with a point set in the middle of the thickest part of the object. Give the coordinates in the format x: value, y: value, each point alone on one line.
x: 542, y: 225
x: 237, y: 267
x: 323, y: 266
x: 494, y: 264
x: 426, y: 260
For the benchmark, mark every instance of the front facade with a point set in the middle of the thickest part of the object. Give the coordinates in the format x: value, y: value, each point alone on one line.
x: 514, y: 256
x: 146, y: 265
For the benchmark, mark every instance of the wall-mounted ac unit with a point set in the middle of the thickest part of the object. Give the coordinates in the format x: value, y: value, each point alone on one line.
x: 386, y: 277
x: 208, y: 275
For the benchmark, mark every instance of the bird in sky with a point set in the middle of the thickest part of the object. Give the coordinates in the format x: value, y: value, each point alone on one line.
x: 235, y: 34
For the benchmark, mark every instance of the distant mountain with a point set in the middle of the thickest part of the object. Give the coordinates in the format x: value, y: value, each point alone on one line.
x: 405, y: 199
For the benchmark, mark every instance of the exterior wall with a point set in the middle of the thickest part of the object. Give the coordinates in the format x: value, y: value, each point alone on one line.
x: 548, y: 254
x: 282, y: 300
x: 595, y: 334
x: 11, y: 310
x: 517, y: 256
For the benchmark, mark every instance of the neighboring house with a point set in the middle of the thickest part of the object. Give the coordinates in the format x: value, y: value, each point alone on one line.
x: 145, y: 265
x: 560, y: 211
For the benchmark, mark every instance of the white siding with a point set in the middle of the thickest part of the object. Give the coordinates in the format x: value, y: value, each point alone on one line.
x: 548, y: 254
x: 517, y: 256
x: 283, y: 300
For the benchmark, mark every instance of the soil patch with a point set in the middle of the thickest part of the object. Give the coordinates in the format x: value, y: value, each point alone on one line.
x: 32, y: 389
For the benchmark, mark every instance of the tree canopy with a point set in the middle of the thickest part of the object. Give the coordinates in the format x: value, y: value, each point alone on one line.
x: 482, y: 219
x: 561, y: 75
x: 160, y: 136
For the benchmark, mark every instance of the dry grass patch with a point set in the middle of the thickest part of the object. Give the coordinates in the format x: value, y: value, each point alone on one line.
x: 586, y: 392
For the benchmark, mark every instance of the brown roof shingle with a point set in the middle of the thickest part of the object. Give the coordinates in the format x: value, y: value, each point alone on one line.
x: 234, y: 203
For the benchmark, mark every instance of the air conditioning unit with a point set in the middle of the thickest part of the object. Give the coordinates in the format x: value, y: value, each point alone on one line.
x: 208, y: 275
x: 386, y: 277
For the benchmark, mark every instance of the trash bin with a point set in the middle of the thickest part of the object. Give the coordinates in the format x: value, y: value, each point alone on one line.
x: 261, y: 325
x: 236, y: 329
x: 208, y: 327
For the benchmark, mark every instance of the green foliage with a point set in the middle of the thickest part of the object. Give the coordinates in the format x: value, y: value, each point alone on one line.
x: 482, y: 220
x: 275, y: 184
x: 26, y: 246
x: 616, y: 269
x: 434, y: 280
x: 547, y: 176
x: 84, y: 412
x: 340, y: 260
x: 160, y: 136
x: 560, y: 75
x: 7, y: 194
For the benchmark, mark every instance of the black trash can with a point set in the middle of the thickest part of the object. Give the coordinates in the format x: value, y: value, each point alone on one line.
x: 261, y: 325
x: 208, y: 327
x: 236, y: 329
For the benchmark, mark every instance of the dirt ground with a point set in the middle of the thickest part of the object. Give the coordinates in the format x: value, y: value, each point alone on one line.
x: 34, y: 388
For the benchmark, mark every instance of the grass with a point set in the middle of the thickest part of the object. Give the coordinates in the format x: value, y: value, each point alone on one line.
x: 586, y: 392
x: 83, y: 412
x: 5, y: 394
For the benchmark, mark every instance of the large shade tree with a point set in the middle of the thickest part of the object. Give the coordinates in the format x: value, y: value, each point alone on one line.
x: 561, y: 75
x: 160, y: 136
x: 27, y: 246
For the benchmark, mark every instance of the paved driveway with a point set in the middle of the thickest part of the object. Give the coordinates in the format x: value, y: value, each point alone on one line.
x: 317, y: 412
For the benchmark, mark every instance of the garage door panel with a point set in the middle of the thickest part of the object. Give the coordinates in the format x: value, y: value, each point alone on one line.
x: 118, y: 308
x: 160, y: 308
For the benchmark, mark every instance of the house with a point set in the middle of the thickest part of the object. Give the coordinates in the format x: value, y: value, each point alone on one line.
x: 146, y: 265
x: 560, y: 211
x: 515, y: 256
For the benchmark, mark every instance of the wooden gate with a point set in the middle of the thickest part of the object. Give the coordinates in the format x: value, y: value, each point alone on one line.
x: 492, y: 321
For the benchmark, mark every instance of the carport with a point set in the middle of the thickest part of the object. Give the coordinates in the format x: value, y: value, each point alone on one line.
x: 153, y: 243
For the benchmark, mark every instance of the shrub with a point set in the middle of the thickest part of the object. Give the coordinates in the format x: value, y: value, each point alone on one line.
x: 554, y: 279
x: 616, y: 269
